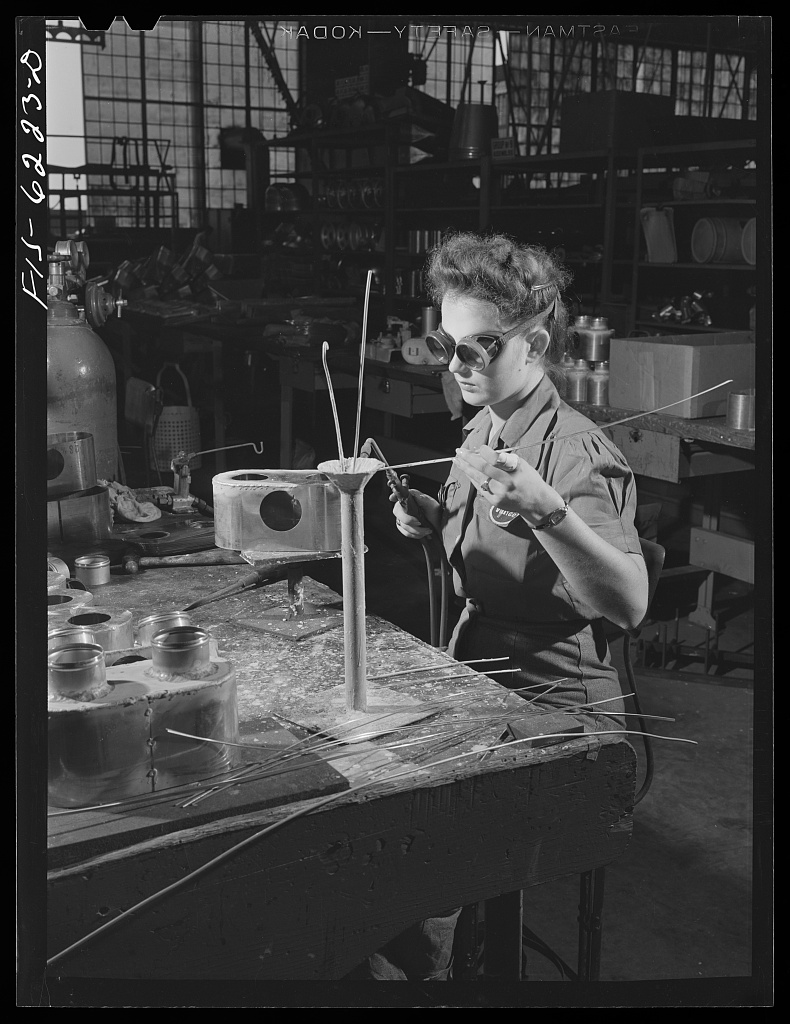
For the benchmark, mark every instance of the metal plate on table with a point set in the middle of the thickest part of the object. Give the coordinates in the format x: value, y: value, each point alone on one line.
x: 170, y: 535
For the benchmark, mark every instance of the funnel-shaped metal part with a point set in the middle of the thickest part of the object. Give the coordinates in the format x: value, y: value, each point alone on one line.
x: 350, y: 477
x: 352, y: 474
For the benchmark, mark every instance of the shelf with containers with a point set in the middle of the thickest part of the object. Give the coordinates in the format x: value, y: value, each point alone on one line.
x: 685, y: 238
x: 345, y: 177
x: 558, y: 201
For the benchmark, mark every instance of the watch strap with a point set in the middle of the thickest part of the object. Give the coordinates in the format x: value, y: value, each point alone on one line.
x: 552, y: 519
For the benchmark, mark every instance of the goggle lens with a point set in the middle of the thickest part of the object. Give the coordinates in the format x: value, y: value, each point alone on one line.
x: 476, y: 351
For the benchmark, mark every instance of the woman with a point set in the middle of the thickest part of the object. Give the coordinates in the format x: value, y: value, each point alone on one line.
x: 537, y: 514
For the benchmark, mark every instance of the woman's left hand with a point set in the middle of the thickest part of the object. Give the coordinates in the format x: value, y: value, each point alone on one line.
x: 507, y: 481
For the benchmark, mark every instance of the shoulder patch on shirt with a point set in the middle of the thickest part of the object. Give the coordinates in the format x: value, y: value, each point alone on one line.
x: 501, y: 516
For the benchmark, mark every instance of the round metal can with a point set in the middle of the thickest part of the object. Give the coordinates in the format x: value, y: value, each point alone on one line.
x: 92, y: 570
x: 62, y: 636
x: 149, y: 626
x: 740, y: 409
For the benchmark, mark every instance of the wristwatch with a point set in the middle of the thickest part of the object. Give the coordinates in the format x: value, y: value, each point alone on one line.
x: 552, y: 519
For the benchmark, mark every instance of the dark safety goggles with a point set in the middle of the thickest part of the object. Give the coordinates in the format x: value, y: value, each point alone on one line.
x: 476, y: 351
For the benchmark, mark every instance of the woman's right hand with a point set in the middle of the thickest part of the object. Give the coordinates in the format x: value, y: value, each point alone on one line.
x: 411, y: 526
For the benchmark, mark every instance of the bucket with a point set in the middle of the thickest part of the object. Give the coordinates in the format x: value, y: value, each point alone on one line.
x: 717, y: 240
x: 177, y: 429
x: 474, y: 125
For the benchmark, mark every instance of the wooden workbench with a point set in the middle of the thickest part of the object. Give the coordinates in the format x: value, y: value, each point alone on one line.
x: 674, y: 449
x: 330, y: 885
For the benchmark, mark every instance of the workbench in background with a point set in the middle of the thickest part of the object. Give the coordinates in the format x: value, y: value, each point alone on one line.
x: 677, y: 450
x: 324, y: 889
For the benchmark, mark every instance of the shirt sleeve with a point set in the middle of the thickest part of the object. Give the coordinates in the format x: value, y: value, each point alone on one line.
x: 598, y: 484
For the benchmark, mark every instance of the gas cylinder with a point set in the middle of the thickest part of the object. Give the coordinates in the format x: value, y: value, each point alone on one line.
x: 81, y: 379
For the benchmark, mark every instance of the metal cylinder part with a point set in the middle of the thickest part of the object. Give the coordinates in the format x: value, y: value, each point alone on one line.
x: 56, y: 581
x: 181, y: 651
x: 149, y: 626
x: 740, y: 410
x: 77, y: 671
x: 430, y: 319
x: 598, y: 384
x: 63, y: 635
x: 113, y: 631
x: 81, y: 518
x: 140, y: 737
x: 576, y: 380
x: 71, y: 463
x: 57, y: 565
x: 65, y: 600
x: 92, y: 570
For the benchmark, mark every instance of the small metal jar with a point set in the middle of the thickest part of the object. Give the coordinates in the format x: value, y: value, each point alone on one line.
x: 92, y: 570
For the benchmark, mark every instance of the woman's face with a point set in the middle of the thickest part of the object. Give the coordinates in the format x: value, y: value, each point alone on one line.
x: 509, y: 377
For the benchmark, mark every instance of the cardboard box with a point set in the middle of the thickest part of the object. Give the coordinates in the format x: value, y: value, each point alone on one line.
x: 614, y: 119
x: 646, y: 373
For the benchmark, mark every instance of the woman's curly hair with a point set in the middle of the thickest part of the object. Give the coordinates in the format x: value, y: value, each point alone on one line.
x: 520, y: 280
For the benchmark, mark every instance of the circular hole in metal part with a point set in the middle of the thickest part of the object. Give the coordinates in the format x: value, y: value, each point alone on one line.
x: 154, y: 534
x: 89, y: 618
x: 59, y: 599
x: 55, y: 463
x: 281, y: 511
x: 250, y: 476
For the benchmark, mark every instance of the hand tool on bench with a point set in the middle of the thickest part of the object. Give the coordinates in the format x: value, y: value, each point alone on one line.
x: 133, y: 560
x: 270, y: 572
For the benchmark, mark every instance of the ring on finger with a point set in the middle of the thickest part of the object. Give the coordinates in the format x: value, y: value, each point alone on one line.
x: 487, y: 485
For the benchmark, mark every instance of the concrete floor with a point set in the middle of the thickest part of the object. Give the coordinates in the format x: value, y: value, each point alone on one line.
x: 689, y: 904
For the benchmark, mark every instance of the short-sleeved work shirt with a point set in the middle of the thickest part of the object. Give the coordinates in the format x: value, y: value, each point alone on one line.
x: 501, y: 564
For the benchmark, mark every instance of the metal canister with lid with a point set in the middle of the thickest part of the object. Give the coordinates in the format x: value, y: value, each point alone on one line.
x: 576, y: 378
x: 598, y: 384
x: 92, y: 570
x: 593, y: 335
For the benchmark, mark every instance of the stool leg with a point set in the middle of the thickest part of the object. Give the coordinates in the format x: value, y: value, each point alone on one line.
x: 502, y: 943
x: 591, y: 890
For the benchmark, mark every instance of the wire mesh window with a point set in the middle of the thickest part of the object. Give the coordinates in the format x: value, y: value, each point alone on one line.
x: 540, y: 70
x: 460, y: 64
x: 240, y: 92
x: 153, y: 105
